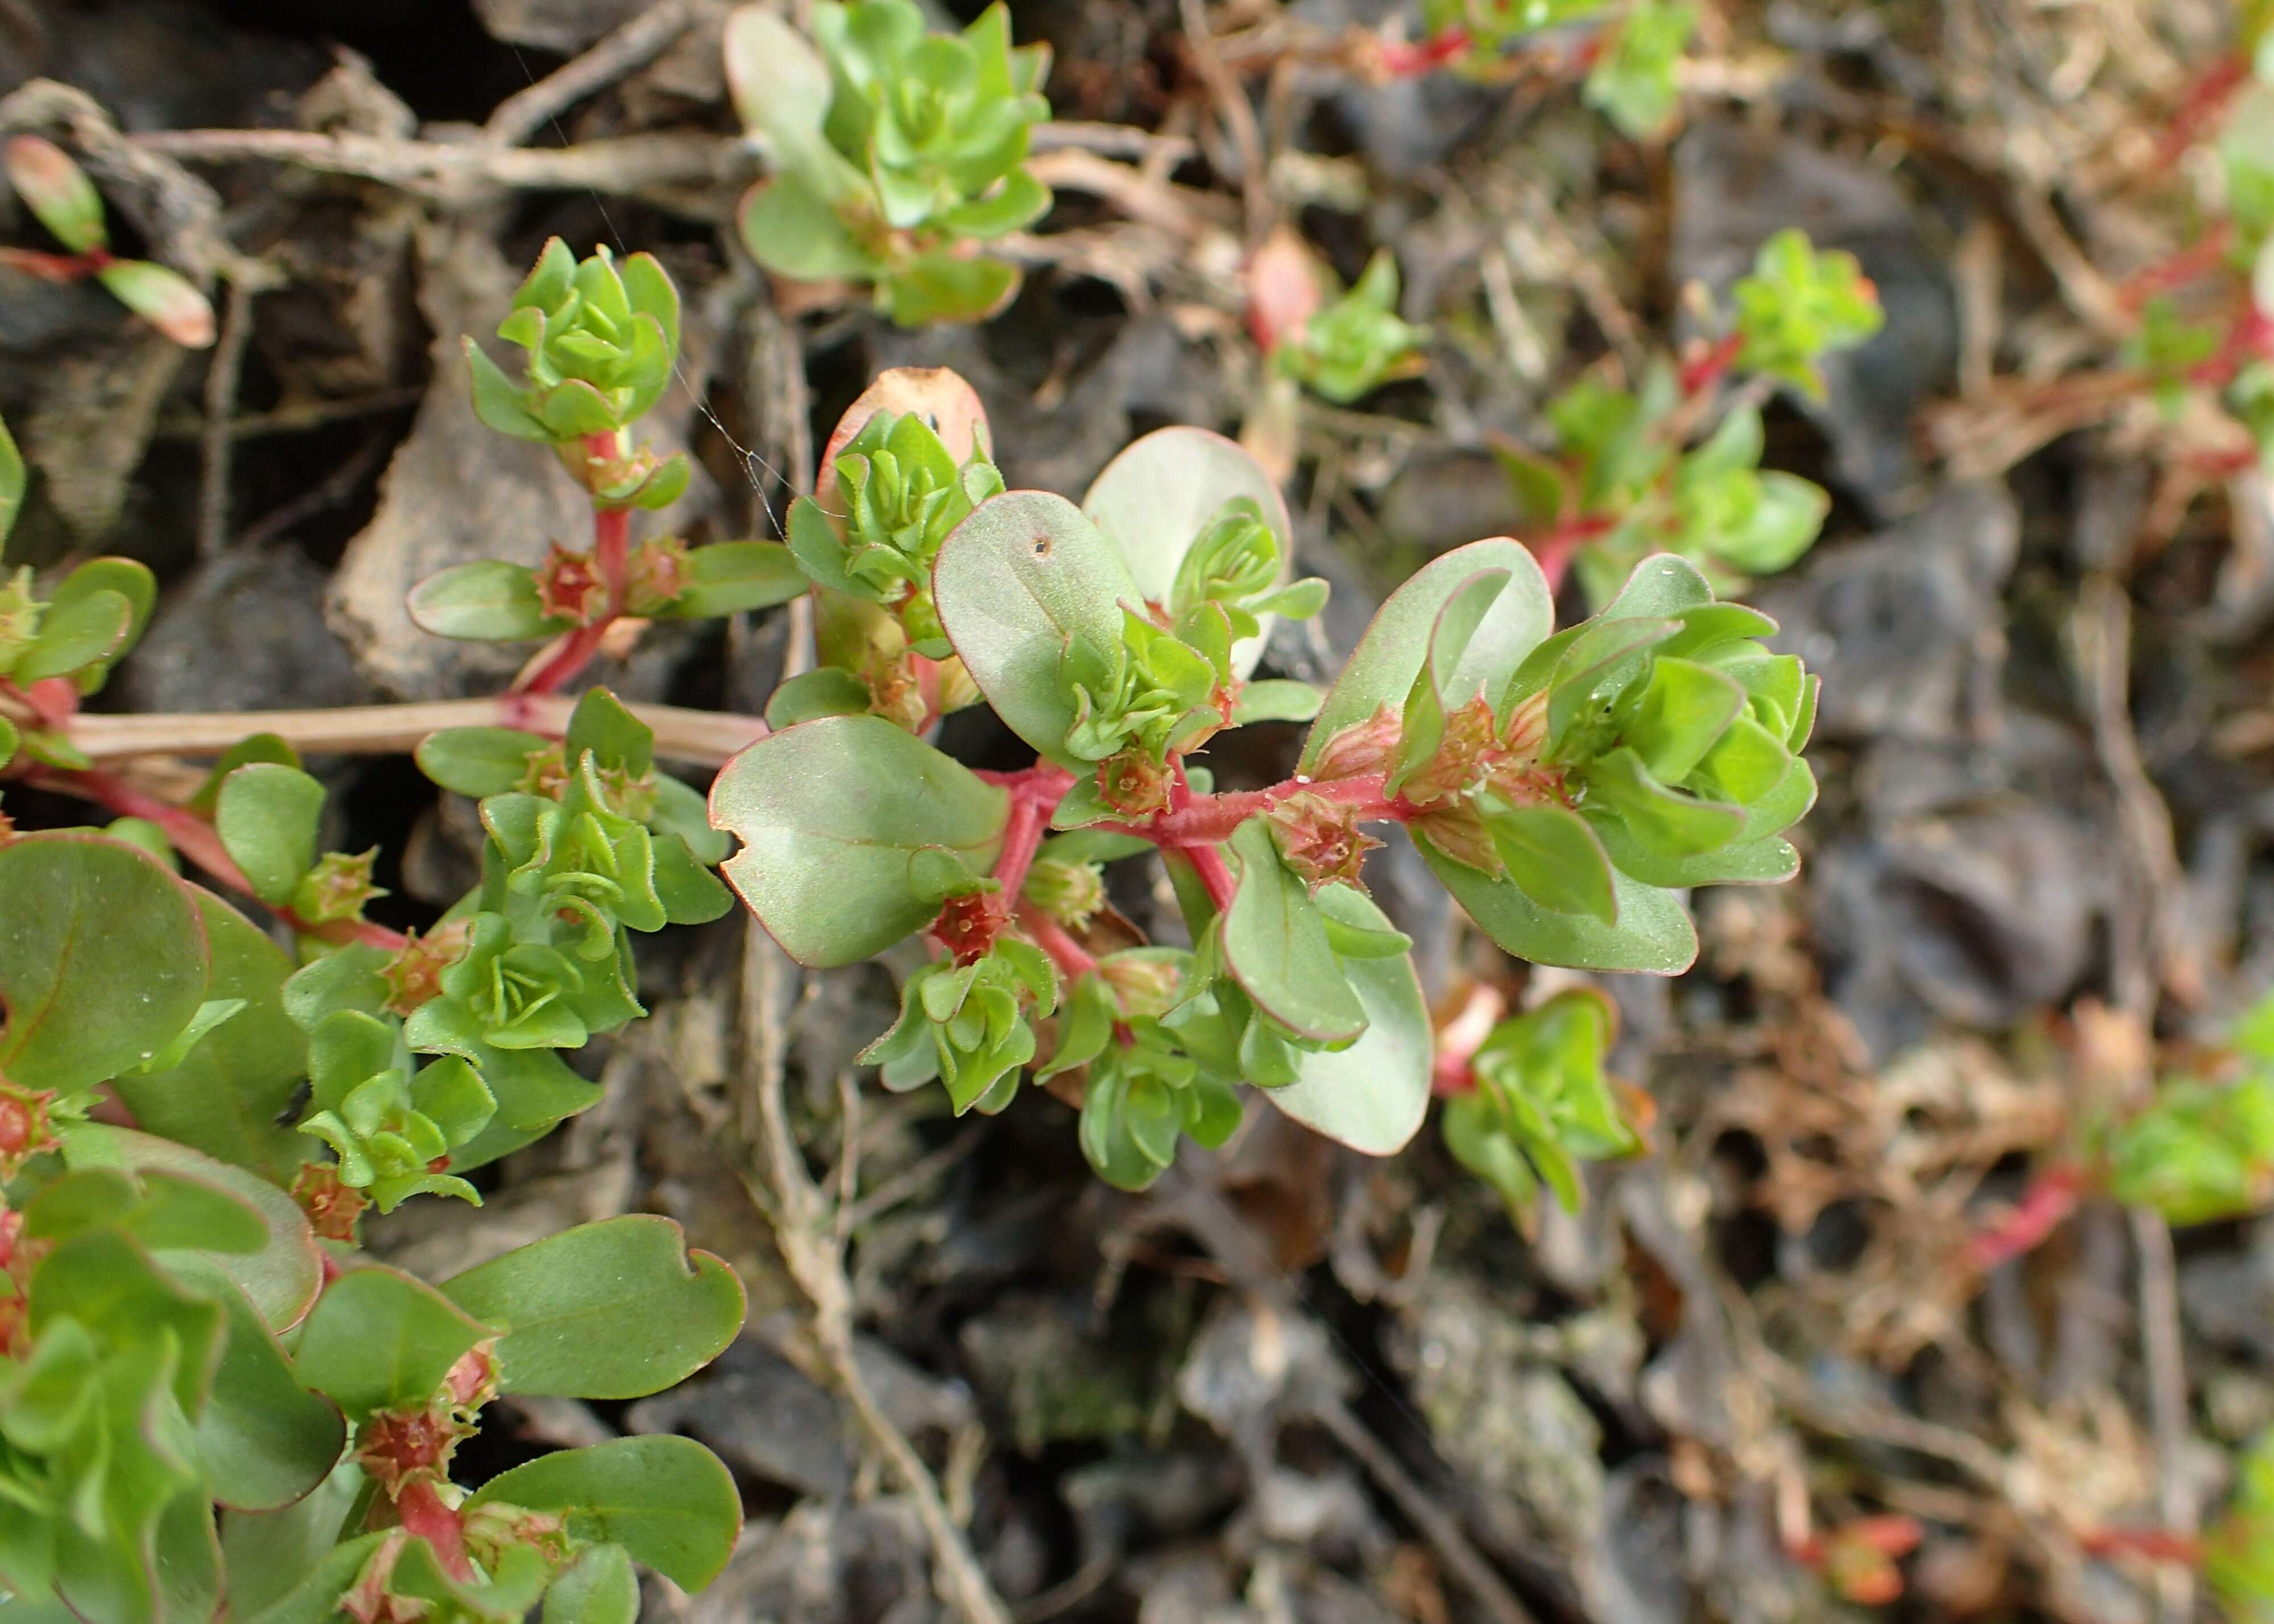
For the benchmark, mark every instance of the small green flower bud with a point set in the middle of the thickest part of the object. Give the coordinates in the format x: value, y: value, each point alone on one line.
x: 1069, y: 892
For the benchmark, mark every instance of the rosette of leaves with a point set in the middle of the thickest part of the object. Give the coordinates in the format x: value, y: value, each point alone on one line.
x: 2203, y: 1150
x: 599, y: 343
x: 1356, y: 343
x: 65, y: 201
x: 391, y: 1124
x: 1143, y: 1088
x: 1540, y: 1103
x: 1135, y: 621
x: 1621, y: 481
x: 538, y: 959
x: 896, y: 152
x: 1800, y: 304
x: 966, y: 1025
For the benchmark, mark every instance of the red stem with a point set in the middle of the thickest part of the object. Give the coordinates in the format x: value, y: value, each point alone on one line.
x: 424, y: 1516
x: 1072, y: 959
x: 1400, y: 60
x: 2048, y: 1200
x: 2158, y: 1544
x: 2202, y: 103
x: 1022, y: 838
x: 2199, y: 259
x: 56, y: 267
x: 1706, y: 369
x: 611, y: 531
x: 1210, y: 820
x: 195, y: 839
x: 1209, y: 863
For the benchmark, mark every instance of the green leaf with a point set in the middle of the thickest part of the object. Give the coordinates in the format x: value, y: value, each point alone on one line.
x: 601, y: 1589
x: 225, y: 1097
x: 826, y: 690
x: 779, y: 82
x: 266, y: 818
x: 251, y: 747
x: 102, y: 959
x: 618, y: 741
x: 57, y: 191
x: 666, y: 1500
x: 79, y: 632
x: 1555, y: 858
x: 316, y: 1598
x: 12, y: 482
x: 163, y: 297
x: 1654, y: 934
x: 1013, y: 583
x: 478, y: 762
x: 488, y: 601
x: 1633, y: 81
x: 829, y: 814
x: 498, y: 400
x: 265, y: 1554
x: 377, y: 1339
x: 281, y: 1279
x: 1387, y: 659
x: 790, y: 229
x: 265, y: 1440
x: 736, y: 576
x: 1276, y: 701
x: 613, y: 1309
x: 125, y: 578
x: 1373, y: 1096
x: 1153, y: 499
x: 946, y: 286
x: 1276, y: 946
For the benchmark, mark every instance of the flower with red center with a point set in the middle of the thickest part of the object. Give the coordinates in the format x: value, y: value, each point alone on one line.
x: 332, y: 1207
x: 656, y: 573
x: 397, y: 1447
x: 25, y: 1127
x: 967, y: 925
x: 336, y: 888
x: 414, y: 975
x: 569, y: 587
x: 1133, y: 784
x: 1320, y: 839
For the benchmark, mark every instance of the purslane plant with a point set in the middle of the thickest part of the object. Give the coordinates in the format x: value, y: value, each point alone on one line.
x: 1623, y: 477
x: 897, y: 152
x: 62, y: 198
x: 1629, y: 51
x: 210, y: 1396
x: 1565, y: 787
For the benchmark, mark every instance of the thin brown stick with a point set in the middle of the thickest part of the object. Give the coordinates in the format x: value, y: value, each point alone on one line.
x: 222, y: 375
x: 806, y: 1233
x: 1238, y: 116
x: 704, y: 738
x: 456, y: 173
x: 636, y: 43
x: 2166, y: 1357
x: 1437, y: 1525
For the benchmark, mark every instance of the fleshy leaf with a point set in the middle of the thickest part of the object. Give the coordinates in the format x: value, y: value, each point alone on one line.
x: 378, y: 1339
x: 613, y: 1309
x: 1373, y: 1096
x: 487, y: 601
x: 829, y: 814
x: 102, y: 959
x: 666, y: 1500
x: 266, y: 818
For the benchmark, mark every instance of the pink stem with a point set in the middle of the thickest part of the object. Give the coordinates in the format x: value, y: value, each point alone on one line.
x: 2051, y: 1199
x: 1022, y: 838
x: 1400, y: 60
x: 2158, y: 1544
x: 1210, y: 820
x: 1072, y: 959
x: 424, y: 1516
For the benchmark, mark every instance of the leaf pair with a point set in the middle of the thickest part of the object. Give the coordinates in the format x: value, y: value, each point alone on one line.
x: 59, y: 194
